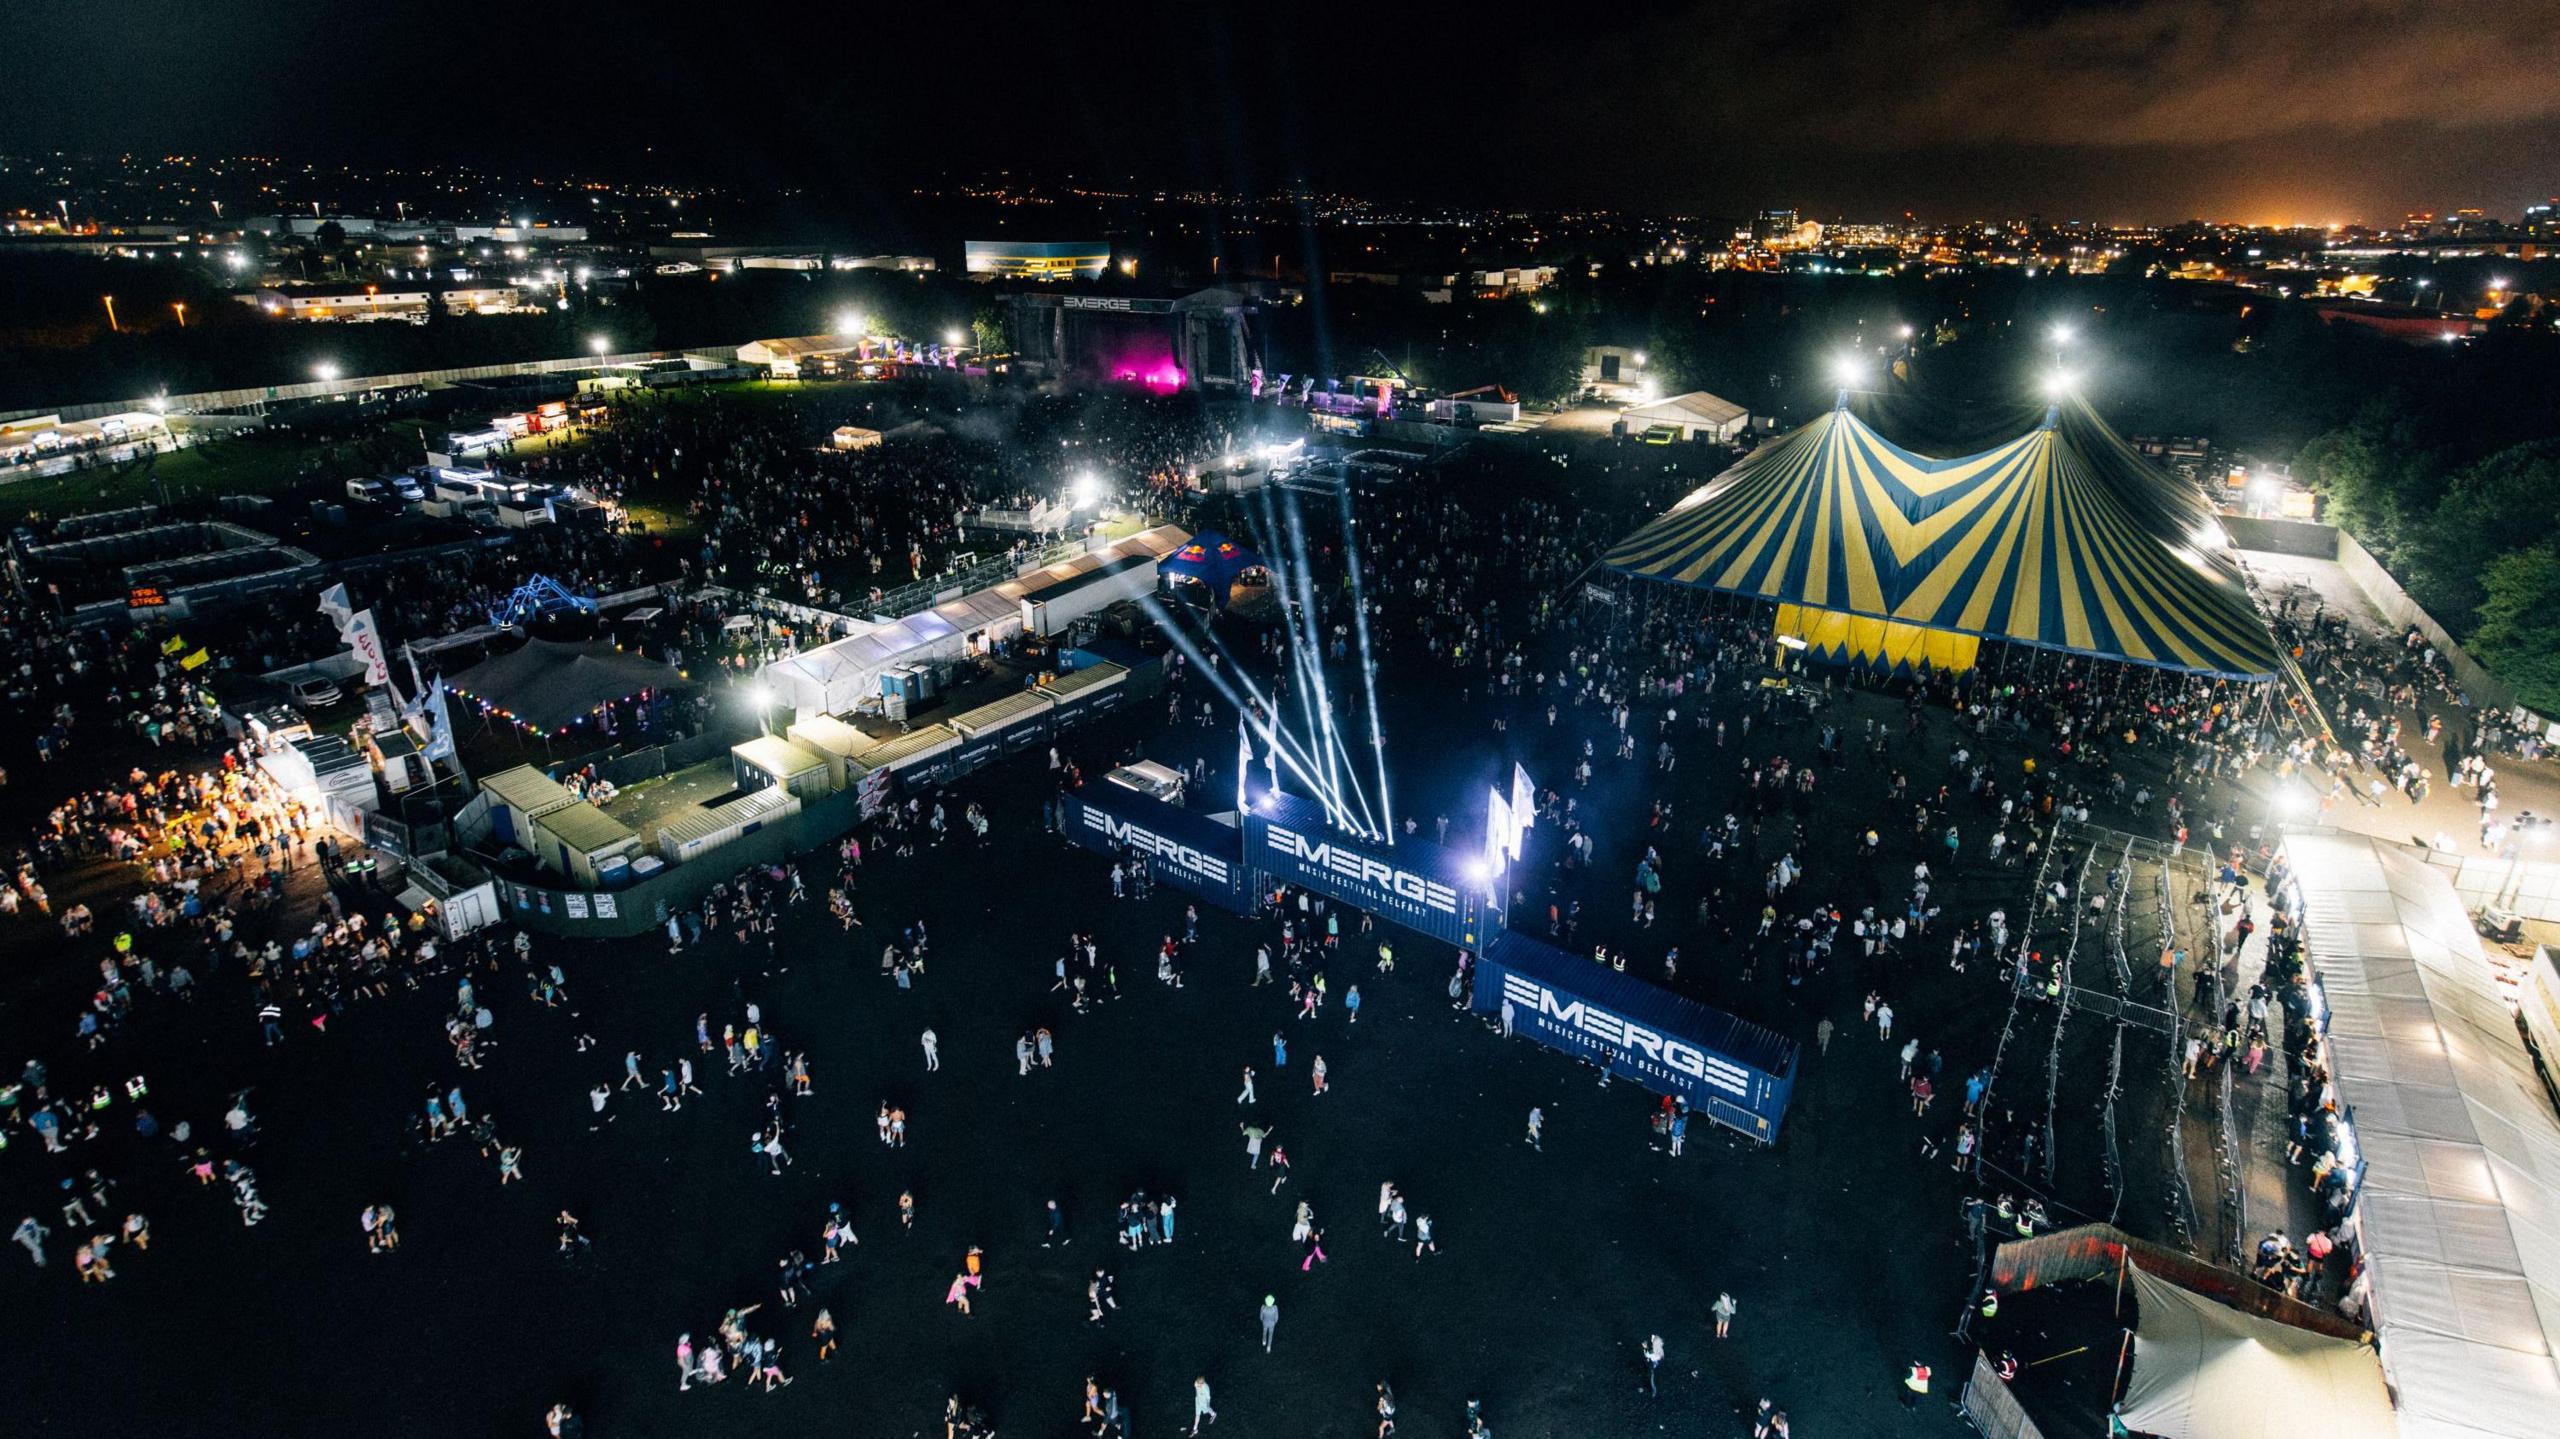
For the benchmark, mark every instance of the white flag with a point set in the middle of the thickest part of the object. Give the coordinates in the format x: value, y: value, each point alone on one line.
x: 440, y: 724
x: 335, y: 604
x: 365, y: 639
x: 1497, y: 831
x: 1524, y: 811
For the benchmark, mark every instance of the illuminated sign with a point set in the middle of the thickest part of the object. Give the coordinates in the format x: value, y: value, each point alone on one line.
x: 1363, y: 870
x: 1632, y: 1043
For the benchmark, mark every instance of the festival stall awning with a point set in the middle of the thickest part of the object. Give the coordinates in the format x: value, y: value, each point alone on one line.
x: 2202, y: 1370
x: 2060, y: 539
x: 549, y: 685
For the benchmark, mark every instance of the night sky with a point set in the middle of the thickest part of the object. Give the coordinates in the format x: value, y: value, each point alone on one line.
x: 2261, y: 110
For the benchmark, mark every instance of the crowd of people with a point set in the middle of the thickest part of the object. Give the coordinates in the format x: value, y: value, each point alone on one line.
x: 1837, y: 855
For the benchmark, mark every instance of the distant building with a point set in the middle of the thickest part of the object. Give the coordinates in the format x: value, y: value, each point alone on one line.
x: 904, y: 264
x: 1037, y: 259
x: 1613, y: 372
x: 358, y: 303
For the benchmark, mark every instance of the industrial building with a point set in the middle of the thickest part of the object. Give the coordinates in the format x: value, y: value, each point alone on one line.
x: 1036, y: 259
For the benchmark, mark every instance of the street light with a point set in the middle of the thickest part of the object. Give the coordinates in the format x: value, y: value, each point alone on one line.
x: 181, y: 307
x: 111, y: 313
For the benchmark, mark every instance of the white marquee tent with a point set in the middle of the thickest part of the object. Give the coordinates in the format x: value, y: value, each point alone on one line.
x: 2459, y: 1211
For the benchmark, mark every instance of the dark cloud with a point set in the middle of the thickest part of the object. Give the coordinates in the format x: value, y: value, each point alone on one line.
x: 2149, y: 109
x: 2177, y: 73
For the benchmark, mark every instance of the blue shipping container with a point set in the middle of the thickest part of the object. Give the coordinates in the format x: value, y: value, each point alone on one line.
x: 1729, y: 1070
x: 1190, y: 852
x: 1418, y: 884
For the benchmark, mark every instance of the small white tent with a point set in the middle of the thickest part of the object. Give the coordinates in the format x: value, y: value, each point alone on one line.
x: 2202, y: 1370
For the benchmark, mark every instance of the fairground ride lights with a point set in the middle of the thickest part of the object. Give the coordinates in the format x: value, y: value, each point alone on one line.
x: 1361, y: 868
x: 1582, y: 1018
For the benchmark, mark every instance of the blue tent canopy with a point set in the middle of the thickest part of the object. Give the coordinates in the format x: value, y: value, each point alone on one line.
x: 1214, y: 561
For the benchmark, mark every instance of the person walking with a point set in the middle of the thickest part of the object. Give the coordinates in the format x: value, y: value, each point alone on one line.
x: 1537, y: 1127
x: 32, y: 1235
x: 1822, y: 1035
x: 1245, y: 1095
x: 932, y: 1052
x: 1200, y: 1406
x: 1279, y: 1050
x: 1651, y: 1349
x: 1915, y: 1385
x: 1254, y: 1134
x: 1319, y: 1073
x: 1723, y: 1309
x: 1270, y: 1319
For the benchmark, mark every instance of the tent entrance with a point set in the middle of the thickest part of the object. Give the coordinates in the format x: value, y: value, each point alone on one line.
x: 1838, y: 637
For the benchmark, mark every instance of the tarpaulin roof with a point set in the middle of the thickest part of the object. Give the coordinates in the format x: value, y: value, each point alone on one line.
x: 2458, y: 1210
x: 1694, y: 408
x: 2202, y: 1370
x: 2063, y: 538
x: 549, y: 684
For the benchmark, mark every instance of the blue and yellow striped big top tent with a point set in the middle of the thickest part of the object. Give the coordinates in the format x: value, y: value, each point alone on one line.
x: 2062, y: 539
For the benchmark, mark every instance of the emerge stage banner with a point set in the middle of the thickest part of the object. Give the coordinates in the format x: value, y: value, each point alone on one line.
x: 1194, y: 854
x: 1730, y: 1070
x: 1418, y: 884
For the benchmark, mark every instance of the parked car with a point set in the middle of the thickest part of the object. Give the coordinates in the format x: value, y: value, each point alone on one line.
x: 368, y: 489
x: 316, y: 693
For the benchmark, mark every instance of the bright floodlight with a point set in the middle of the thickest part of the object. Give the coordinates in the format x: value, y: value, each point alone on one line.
x: 2062, y: 334
x: 1848, y: 371
x: 325, y: 371
x: 761, y: 697
x: 1085, y: 489
x: 955, y: 339
x: 1906, y: 332
x: 1640, y: 353
x: 600, y: 344
x: 2059, y: 384
x: 849, y: 323
x: 2498, y: 283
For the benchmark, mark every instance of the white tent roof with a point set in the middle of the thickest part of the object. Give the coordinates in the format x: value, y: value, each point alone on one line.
x: 2203, y: 1370
x: 2460, y: 1207
x: 1694, y: 408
